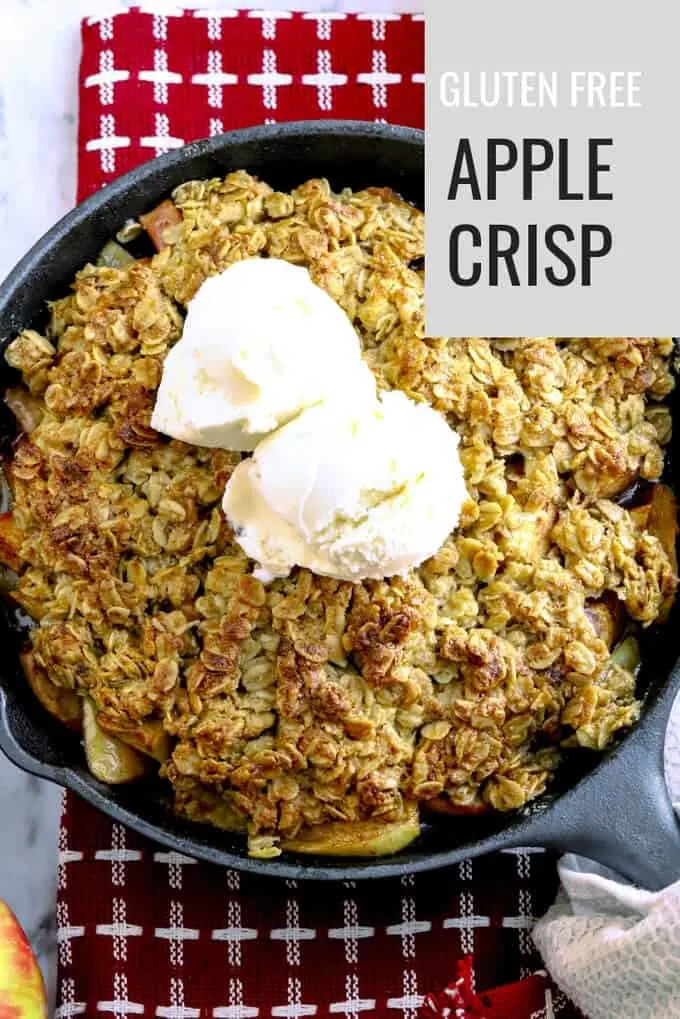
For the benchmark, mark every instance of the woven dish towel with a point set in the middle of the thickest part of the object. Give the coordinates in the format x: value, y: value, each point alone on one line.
x: 150, y: 83
x: 615, y: 948
x: 146, y: 932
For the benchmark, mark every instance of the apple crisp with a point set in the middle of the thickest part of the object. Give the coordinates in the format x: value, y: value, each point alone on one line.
x: 274, y: 709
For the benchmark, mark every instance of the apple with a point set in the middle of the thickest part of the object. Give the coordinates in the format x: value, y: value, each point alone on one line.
x: 22, y: 991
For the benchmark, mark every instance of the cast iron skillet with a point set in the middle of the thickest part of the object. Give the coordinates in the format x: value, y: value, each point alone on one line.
x: 612, y: 807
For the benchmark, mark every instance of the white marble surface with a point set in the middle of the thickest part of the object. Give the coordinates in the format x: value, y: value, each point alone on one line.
x: 39, y: 48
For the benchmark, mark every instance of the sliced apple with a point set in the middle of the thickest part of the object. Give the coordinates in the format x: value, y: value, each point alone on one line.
x: 663, y: 524
x: 357, y: 838
x: 27, y: 409
x: 114, y: 256
x: 443, y: 805
x: 604, y: 484
x: 627, y: 655
x: 641, y: 515
x: 109, y: 759
x: 11, y: 540
x: 148, y: 738
x: 608, y: 617
x: 64, y: 704
x: 164, y: 216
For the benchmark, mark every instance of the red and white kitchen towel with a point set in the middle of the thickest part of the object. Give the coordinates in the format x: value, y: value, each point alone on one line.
x: 145, y: 932
x: 150, y: 83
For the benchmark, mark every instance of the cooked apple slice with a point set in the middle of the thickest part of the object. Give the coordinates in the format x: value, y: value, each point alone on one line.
x: 641, y: 515
x: 663, y: 524
x: 443, y: 805
x: 109, y: 759
x: 627, y: 655
x: 608, y: 616
x: 156, y: 222
x: 27, y: 409
x: 64, y: 704
x: 114, y: 256
x: 357, y: 838
x: 11, y: 539
x: 604, y: 482
x: 663, y: 520
x: 528, y: 536
x: 148, y: 738
x: 659, y: 515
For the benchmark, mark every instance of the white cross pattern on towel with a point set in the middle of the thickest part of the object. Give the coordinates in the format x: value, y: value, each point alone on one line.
x: 379, y: 78
x: 270, y: 79
x: 215, y: 78
x: 106, y: 78
x: 161, y: 77
x: 324, y: 80
x: 107, y: 143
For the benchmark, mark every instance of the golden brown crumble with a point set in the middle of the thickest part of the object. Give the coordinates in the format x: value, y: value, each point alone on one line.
x: 313, y: 700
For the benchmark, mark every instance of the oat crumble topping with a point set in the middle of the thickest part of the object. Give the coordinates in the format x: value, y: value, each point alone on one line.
x: 312, y: 700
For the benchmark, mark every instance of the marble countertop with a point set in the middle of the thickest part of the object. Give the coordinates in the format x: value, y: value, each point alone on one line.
x: 39, y: 52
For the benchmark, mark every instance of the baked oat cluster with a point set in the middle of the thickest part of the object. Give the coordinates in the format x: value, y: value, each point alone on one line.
x: 311, y: 700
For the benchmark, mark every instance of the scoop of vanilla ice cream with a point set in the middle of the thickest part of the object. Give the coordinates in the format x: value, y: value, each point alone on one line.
x: 350, y: 494
x: 261, y: 342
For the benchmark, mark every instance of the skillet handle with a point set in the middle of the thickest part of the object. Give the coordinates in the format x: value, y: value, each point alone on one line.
x: 621, y: 814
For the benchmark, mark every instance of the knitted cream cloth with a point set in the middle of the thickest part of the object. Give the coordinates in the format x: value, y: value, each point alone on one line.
x: 613, y: 948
